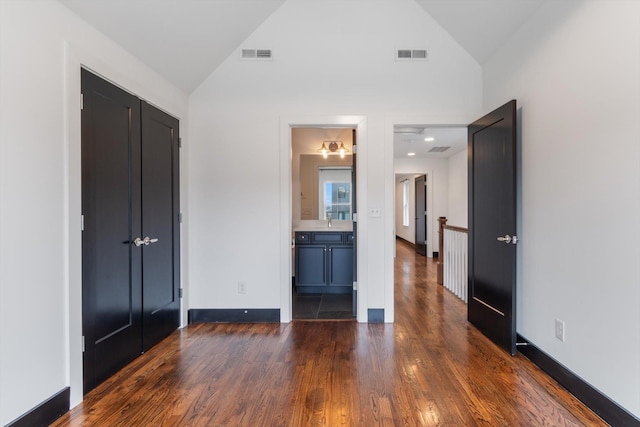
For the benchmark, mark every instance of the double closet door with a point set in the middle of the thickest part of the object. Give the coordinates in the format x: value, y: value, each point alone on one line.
x: 131, y: 227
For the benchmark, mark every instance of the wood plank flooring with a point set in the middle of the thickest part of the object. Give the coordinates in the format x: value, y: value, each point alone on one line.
x: 429, y: 368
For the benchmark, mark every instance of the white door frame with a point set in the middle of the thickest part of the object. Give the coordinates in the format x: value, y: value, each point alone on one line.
x: 389, y: 196
x: 286, y: 124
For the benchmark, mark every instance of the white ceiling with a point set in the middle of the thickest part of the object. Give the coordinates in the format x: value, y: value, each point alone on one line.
x: 183, y: 40
x: 481, y: 26
x: 201, y: 34
x: 404, y: 143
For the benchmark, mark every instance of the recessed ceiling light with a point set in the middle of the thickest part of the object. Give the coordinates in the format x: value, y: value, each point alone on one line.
x: 411, y: 154
x: 429, y: 139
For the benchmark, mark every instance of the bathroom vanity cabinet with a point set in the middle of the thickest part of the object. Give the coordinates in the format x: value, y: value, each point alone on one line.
x: 324, y: 261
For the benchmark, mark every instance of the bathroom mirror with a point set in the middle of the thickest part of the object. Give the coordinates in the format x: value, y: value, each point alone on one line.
x: 321, y: 187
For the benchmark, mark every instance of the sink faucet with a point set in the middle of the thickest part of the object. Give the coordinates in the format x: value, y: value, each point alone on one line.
x: 329, y: 220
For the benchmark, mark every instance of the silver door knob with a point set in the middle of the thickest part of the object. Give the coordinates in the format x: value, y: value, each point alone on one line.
x: 508, y: 239
x: 146, y: 241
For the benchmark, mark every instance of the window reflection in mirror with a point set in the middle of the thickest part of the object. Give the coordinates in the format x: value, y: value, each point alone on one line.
x: 335, y: 192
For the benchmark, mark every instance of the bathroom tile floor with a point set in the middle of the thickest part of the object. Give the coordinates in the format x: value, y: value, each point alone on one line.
x: 322, y: 306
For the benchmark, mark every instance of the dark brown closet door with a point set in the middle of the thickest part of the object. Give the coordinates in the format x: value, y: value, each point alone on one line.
x: 131, y: 234
x: 111, y: 274
x: 160, y: 223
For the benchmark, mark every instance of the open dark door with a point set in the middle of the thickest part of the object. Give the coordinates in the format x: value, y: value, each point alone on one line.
x: 354, y: 216
x: 421, y: 214
x: 492, y: 225
x: 161, y: 224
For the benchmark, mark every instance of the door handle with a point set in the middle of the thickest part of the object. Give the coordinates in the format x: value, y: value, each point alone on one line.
x: 508, y: 239
x: 146, y: 241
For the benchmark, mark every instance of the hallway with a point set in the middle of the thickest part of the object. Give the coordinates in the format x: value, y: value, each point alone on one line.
x: 429, y: 368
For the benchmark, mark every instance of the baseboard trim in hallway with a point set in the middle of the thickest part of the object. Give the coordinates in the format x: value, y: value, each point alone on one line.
x: 45, y: 413
x: 607, y: 409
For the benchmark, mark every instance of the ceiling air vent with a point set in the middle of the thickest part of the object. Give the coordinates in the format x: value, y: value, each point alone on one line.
x: 438, y: 149
x: 404, y: 54
x: 256, y: 54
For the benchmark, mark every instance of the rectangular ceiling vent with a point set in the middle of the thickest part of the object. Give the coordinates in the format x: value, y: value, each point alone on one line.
x: 256, y: 54
x: 408, y: 130
x: 438, y: 149
x: 409, y: 54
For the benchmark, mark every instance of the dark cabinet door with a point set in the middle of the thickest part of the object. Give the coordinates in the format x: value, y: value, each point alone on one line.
x: 340, y: 266
x: 310, y: 265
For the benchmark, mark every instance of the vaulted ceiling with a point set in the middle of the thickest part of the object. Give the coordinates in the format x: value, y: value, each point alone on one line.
x: 201, y: 34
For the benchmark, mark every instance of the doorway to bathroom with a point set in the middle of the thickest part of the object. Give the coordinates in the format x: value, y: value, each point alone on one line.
x: 323, y: 223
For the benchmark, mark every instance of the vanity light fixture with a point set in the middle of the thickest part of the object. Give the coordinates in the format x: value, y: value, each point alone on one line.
x: 332, y: 147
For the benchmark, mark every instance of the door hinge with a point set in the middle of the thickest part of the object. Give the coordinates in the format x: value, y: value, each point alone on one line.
x: 82, y: 101
x: 355, y: 217
x: 180, y: 142
x: 355, y: 149
x: 81, y: 222
x: 180, y: 217
x: 83, y: 343
x: 355, y: 285
x: 181, y: 292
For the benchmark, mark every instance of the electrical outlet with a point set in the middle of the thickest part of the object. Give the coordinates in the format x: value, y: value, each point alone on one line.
x: 242, y: 287
x: 560, y: 329
x: 374, y: 212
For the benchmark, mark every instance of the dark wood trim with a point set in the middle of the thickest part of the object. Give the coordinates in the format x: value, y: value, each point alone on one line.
x: 46, y: 412
x: 442, y: 222
x: 234, y: 315
x: 375, y: 315
x: 606, y: 408
x: 454, y: 228
x: 403, y: 240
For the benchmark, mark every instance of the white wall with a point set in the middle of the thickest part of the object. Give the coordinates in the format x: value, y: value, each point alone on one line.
x: 458, y: 190
x: 575, y: 72
x: 331, y: 58
x: 42, y: 45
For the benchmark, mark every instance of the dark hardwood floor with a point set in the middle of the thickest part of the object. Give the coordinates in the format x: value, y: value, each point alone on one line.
x: 429, y: 368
